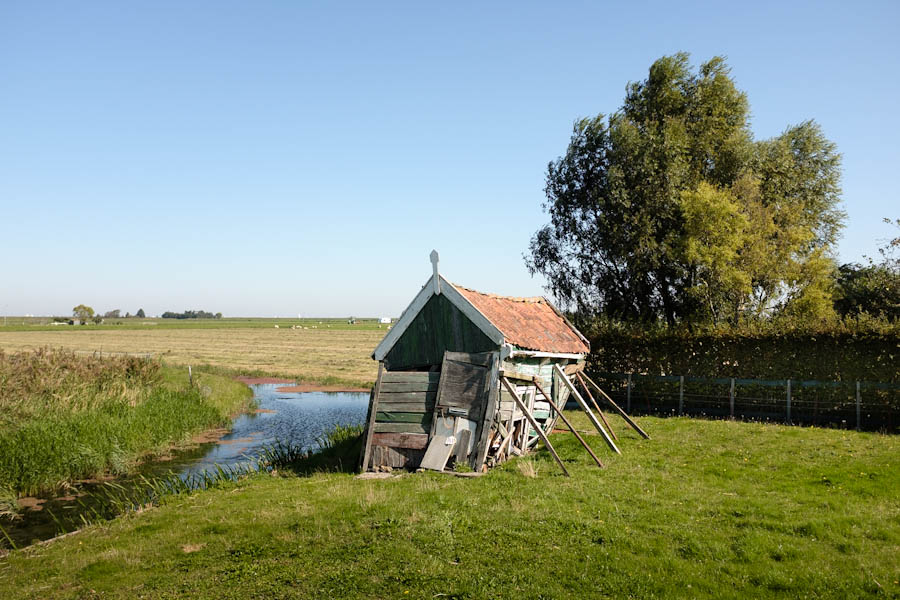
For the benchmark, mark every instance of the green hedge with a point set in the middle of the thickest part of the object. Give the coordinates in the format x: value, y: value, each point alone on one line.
x: 838, y: 355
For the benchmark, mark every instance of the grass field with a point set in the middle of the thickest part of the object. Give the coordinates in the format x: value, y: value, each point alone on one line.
x: 339, y: 354
x: 65, y: 417
x: 705, y: 509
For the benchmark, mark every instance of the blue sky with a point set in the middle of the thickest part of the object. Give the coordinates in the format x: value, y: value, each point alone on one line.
x: 284, y: 158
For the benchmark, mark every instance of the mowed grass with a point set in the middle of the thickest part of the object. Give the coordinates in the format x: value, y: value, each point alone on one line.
x: 338, y: 355
x: 706, y: 509
x: 65, y: 417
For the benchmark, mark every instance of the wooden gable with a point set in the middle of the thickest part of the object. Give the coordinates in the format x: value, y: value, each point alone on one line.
x: 438, y: 327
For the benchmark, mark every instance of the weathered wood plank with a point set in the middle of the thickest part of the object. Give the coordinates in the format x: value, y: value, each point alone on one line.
x: 568, y: 424
x: 482, y: 437
x: 410, y: 376
x: 482, y: 359
x: 585, y: 387
x: 400, y: 428
x: 384, y: 416
x: 370, y: 427
x: 621, y: 412
x: 410, y: 407
x: 422, y: 386
x: 568, y: 383
x: 534, y: 424
x: 423, y: 397
x: 414, y: 441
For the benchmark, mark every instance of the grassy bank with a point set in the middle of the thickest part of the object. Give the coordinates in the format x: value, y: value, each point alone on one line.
x: 65, y: 417
x: 705, y: 509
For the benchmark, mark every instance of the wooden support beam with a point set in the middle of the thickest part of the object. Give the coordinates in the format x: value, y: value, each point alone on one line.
x: 569, y: 425
x: 534, y: 424
x: 490, y: 410
x: 370, y: 429
x: 585, y: 387
x: 615, y: 406
x: 568, y: 383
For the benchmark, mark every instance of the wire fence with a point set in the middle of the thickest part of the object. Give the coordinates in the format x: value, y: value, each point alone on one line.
x: 861, y: 405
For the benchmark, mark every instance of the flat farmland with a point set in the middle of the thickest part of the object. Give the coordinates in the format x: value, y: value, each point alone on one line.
x: 323, y: 355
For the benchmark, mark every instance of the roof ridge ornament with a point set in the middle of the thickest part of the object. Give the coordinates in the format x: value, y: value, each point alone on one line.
x: 435, y: 278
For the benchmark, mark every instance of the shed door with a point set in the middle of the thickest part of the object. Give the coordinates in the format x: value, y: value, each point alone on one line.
x: 464, y: 385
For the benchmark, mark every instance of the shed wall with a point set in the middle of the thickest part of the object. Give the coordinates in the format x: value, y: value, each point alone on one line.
x: 438, y: 327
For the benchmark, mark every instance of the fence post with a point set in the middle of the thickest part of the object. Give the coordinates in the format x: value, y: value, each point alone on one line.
x: 628, y: 396
x: 731, y: 399
x: 190, y: 376
x: 788, y: 401
x: 681, y: 394
x: 858, y: 419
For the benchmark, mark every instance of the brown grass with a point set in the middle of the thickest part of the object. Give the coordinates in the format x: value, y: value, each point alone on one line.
x: 320, y: 355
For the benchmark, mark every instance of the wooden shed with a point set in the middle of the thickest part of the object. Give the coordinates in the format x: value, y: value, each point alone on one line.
x: 443, y: 395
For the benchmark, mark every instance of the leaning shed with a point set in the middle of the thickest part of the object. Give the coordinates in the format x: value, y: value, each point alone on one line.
x: 468, y: 377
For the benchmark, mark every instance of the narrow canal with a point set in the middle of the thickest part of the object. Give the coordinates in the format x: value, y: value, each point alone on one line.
x: 295, y: 418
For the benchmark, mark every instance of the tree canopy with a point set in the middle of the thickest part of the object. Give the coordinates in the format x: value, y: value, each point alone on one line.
x: 83, y: 312
x: 668, y: 209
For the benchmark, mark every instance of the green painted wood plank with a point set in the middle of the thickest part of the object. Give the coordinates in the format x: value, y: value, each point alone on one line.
x: 401, y: 428
x: 410, y: 407
x: 410, y: 377
x: 423, y: 397
x: 383, y: 416
x: 423, y: 386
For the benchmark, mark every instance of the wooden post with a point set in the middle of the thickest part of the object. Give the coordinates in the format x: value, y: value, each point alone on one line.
x: 858, y: 407
x: 493, y: 401
x: 731, y: 399
x: 568, y: 383
x: 370, y: 428
x: 680, y: 395
x: 788, y: 401
x: 628, y: 396
x: 190, y: 376
x: 615, y: 406
x: 597, y: 406
x: 569, y: 425
x: 534, y: 424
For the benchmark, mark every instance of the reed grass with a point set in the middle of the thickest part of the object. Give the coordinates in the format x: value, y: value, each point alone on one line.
x: 68, y: 417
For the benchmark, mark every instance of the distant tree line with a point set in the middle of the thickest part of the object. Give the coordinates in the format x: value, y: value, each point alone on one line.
x: 84, y: 313
x: 191, y: 314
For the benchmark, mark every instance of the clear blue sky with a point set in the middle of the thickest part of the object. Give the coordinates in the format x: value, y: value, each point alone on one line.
x: 276, y: 158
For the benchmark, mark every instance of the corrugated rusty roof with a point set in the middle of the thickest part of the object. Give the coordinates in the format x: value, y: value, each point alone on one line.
x: 528, y: 323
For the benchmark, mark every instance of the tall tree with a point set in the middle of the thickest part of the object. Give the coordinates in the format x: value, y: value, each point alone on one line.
x: 668, y: 209
x: 83, y: 312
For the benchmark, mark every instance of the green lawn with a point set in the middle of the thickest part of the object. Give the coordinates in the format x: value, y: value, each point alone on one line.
x: 704, y: 509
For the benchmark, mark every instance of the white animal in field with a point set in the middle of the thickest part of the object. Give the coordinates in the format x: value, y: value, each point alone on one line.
x: 276, y: 327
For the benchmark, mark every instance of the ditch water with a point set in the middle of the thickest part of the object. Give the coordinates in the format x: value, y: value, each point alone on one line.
x: 294, y: 418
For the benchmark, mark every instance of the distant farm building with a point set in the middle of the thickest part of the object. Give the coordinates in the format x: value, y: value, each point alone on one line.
x: 385, y: 320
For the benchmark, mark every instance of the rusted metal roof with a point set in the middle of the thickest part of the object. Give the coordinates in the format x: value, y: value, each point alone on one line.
x: 528, y: 323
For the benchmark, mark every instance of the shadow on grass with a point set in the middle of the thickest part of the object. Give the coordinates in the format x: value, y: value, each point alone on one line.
x: 338, y: 452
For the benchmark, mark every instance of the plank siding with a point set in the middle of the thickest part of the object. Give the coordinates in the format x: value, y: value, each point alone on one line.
x: 438, y: 327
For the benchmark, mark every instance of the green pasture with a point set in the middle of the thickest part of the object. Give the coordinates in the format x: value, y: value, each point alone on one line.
x: 706, y: 509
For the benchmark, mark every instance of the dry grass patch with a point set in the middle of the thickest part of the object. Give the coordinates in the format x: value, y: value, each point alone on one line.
x: 319, y: 355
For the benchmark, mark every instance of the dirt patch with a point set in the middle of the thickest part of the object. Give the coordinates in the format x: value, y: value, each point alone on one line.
x: 242, y: 440
x: 264, y: 411
x: 315, y: 387
x: 254, y: 380
x: 210, y: 435
x: 31, y: 503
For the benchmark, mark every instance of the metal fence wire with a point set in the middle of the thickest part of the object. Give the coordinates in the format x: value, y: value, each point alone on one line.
x: 861, y: 405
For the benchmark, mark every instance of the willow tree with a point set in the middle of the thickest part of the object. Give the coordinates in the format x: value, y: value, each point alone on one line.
x: 668, y: 209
